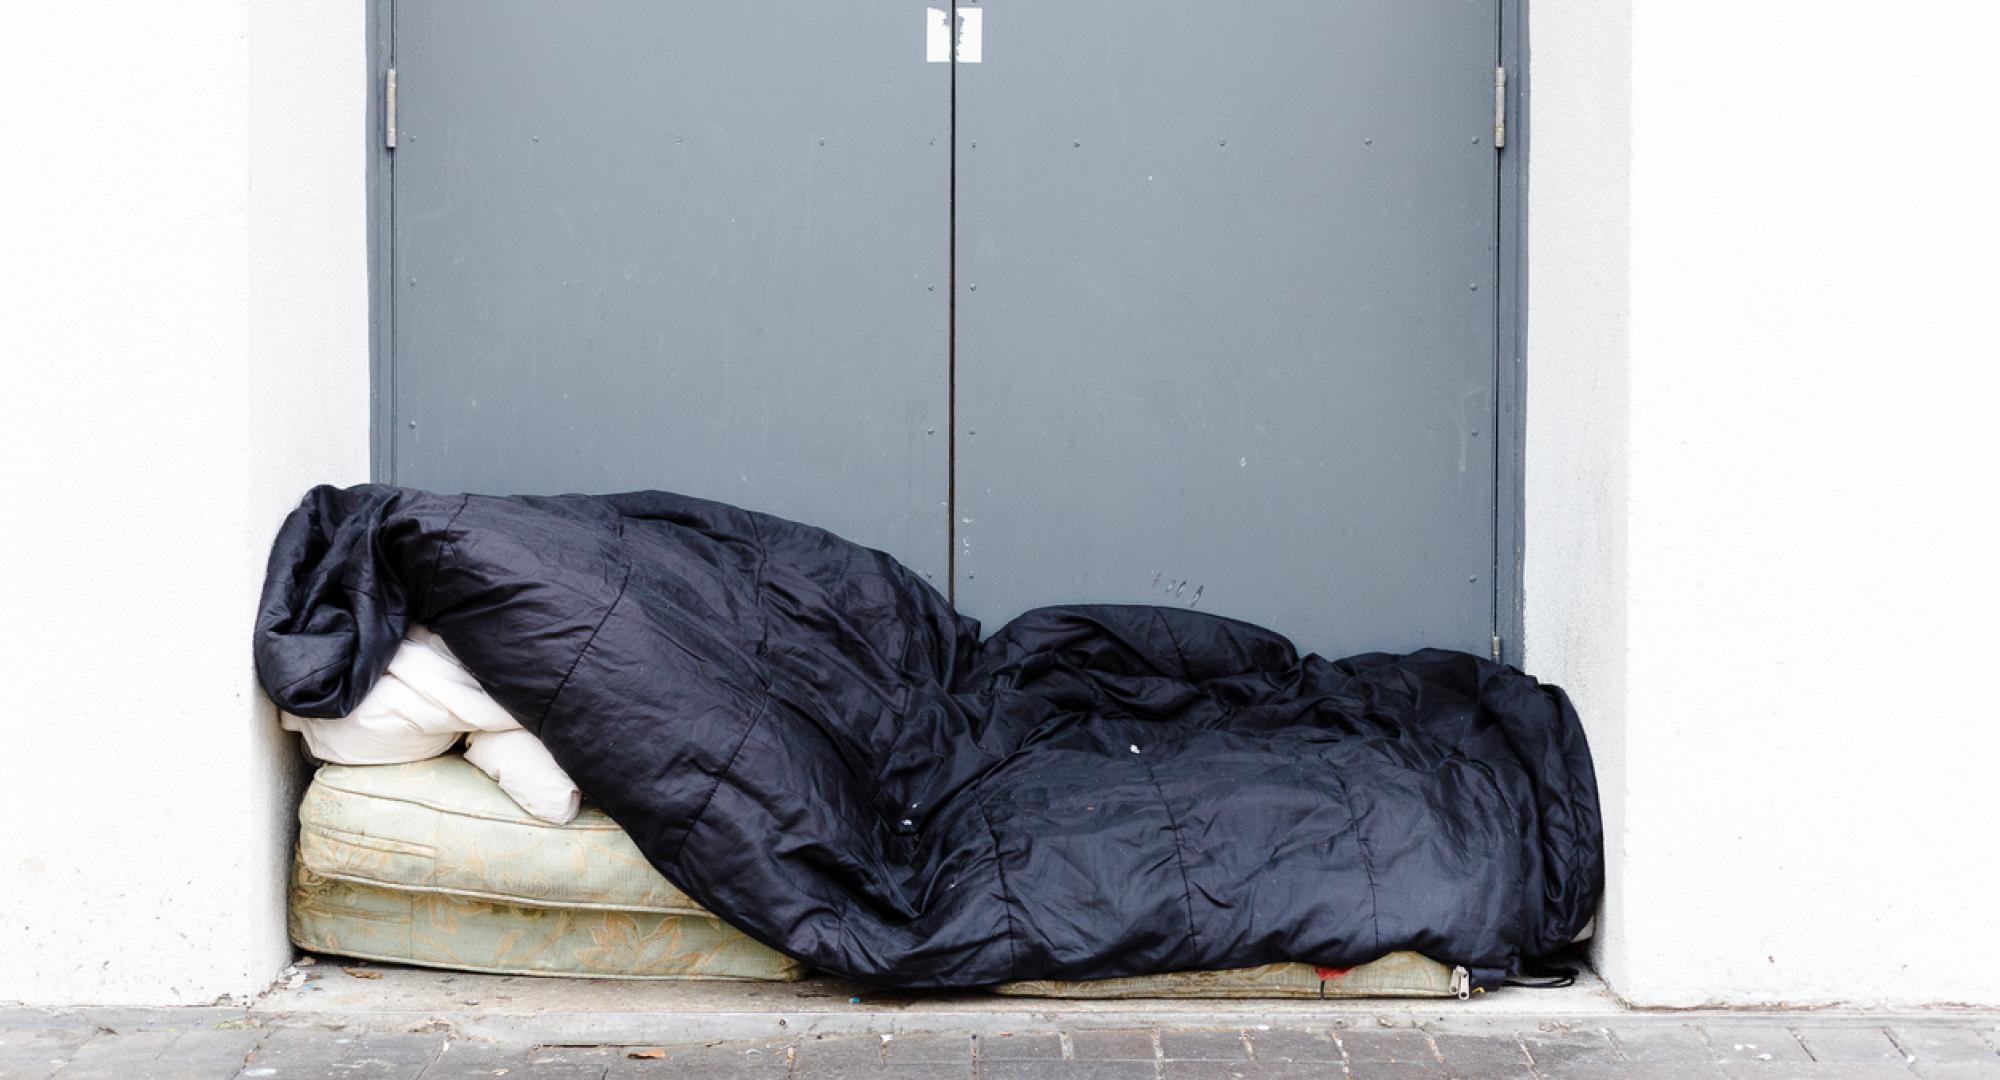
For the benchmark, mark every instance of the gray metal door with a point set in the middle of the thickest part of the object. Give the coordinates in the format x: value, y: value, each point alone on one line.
x: 1225, y: 288
x: 698, y: 245
x: 1225, y: 329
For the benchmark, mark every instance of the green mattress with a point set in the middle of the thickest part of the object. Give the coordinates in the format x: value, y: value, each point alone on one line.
x: 432, y: 864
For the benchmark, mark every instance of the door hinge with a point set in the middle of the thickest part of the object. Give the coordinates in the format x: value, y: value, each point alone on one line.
x: 1499, y: 108
x: 389, y: 110
x: 1496, y: 648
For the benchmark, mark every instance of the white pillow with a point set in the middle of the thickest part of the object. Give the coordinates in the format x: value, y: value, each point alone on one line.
x: 392, y: 725
x: 523, y: 768
x: 420, y: 707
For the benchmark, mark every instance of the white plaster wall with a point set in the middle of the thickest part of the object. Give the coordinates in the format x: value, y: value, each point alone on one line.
x: 1578, y: 349
x: 1763, y: 553
x: 183, y: 325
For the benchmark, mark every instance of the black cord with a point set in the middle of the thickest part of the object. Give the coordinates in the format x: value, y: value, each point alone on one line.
x: 1534, y: 976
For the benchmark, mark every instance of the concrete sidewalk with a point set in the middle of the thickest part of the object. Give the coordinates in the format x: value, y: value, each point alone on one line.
x: 364, y: 1021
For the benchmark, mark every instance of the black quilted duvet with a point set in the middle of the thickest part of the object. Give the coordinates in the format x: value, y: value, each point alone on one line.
x: 805, y: 737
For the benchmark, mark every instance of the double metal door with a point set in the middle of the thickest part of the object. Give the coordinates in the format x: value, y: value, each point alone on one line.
x: 1183, y: 303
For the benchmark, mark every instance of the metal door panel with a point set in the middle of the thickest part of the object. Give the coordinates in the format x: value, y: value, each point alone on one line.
x: 698, y: 245
x: 1225, y: 314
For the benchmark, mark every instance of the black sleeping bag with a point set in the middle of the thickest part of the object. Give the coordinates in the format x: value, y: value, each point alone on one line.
x: 804, y: 737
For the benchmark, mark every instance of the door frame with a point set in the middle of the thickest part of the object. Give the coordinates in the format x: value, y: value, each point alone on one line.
x: 381, y: 248
x: 1510, y: 276
x: 1510, y: 359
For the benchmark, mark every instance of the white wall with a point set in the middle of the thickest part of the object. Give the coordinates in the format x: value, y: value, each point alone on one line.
x: 1579, y: 251
x: 183, y: 322
x: 1763, y: 555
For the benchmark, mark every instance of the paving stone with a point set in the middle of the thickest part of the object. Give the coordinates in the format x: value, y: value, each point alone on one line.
x: 930, y: 1049
x: 129, y: 1045
x: 1959, y: 1070
x: 1219, y: 1045
x: 1750, y: 1045
x: 1478, y: 1057
x: 328, y: 1070
x: 1131, y: 1044
x: 1020, y: 1048
x: 19, y: 1030
x: 1637, y: 1070
x: 151, y: 1070
x: 1562, y: 1054
x: 647, y: 1069
x: 864, y: 1055
x: 879, y: 1072
x: 1950, y: 1052
x: 1397, y: 1070
x: 1851, y: 1045
x: 222, y: 1052
x: 764, y: 1058
x: 748, y: 1060
x: 1246, y: 1070
x: 1387, y: 1046
x: 35, y: 1052
x: 294, y: 1048
x: 404, y: 1056
x: 1829, y: 1071
x: 1945, y: 1045
x: 599, y: 1056
x: 842, y: 1051
x: 117, y: 1055
x: 486, y: 1061
x: 1664, y: 1043
x: 1059, y: 1070
x: 1295, y: 1045
x: 321, y: 1054
x: 14, y: 1020
x: 943, y: 1057
x: 1686, y: 1070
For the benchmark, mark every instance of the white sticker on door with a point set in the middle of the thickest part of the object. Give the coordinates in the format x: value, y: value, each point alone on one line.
x: 937, y: 34
x: 969, y: 37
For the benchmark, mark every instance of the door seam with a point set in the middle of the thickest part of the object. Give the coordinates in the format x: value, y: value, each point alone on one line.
x: 951, y: 324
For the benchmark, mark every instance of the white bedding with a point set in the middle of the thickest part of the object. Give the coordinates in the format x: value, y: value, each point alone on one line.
x: 420, y: 708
